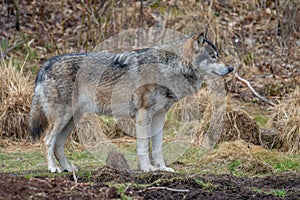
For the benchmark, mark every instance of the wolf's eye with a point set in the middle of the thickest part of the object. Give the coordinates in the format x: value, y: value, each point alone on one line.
x: 213, y: 55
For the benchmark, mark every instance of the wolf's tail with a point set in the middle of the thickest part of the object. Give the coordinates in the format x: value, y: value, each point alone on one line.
x: 37, y: 118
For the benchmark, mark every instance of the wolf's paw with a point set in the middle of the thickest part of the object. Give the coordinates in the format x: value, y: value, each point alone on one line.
x: 166, y: 169
x: 148, y: 168
x: 54, y: 169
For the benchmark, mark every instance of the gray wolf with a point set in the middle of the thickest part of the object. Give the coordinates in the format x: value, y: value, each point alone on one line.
x: 142, y: 83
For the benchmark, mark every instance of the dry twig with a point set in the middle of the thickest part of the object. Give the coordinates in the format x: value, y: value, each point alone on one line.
x: 253, y: 91
x: 166, y: 188
x: 74, y: 175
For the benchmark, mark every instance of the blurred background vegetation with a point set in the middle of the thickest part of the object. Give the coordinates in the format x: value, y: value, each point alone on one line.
x: 260, y: 38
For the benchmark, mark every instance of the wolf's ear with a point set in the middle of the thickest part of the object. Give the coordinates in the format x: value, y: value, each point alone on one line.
x: 199, y: 38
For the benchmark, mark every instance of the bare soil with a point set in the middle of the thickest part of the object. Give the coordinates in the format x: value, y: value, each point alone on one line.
x: 106, y: 183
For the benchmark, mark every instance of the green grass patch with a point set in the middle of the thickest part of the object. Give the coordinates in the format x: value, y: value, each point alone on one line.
x: 22, y: 161
x: 189, y: 161
x: 234, y: 166
x: 280, y: 161
x: 275, y: 192
x: 4, y: 44
x: 36, y: 161
x: 205, y: 185
x: 287, y: 165
x: 261, y: 120
x: 278, y: 192
x: 121, y: 190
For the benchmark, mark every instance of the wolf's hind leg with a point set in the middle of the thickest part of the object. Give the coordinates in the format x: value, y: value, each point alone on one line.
x: 143, y: 133
x: 59, y: 149
x: 50, y: 140
x: 157, y: 126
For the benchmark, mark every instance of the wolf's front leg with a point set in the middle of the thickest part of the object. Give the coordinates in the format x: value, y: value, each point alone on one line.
x: 143, y: 134
x: 157, y: 126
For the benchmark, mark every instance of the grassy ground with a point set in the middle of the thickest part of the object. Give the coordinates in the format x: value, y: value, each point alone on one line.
x: 233, y: 157
x: 20, y: 158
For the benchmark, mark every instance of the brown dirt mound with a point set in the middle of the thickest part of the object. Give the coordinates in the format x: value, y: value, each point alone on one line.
x: 286, y: 119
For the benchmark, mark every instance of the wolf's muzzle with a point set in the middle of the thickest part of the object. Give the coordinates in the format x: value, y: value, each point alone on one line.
x: 223, y: 71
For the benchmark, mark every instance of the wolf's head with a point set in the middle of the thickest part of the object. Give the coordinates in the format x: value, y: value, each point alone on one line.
x: 203, y: 56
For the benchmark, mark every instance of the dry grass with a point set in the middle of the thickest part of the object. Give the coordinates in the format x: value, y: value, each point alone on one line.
x: 93, y: 126
x: 16, y: 89
x: 93, y: 130
x: 90, y: 130
x: 238, y: 125
x: 238, y: 157
x: 286, y: 119
x: 190, y: 108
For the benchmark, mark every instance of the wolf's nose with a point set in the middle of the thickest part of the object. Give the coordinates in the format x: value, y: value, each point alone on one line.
x: 230, y: 68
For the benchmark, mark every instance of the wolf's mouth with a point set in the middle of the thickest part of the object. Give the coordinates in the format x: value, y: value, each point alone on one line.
x: 221, y: 74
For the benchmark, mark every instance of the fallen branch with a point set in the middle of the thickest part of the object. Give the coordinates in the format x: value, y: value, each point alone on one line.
x: 74, y: 175
x: 253, y: 91
x: 167, y: 188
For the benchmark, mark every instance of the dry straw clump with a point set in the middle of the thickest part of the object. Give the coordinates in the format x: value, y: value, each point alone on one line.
x: 286, y: 119
x: 240, y: 126
x: 90, y: 131
x: 16, y: 89
x: 237, y: 125
x: 237, y: 157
